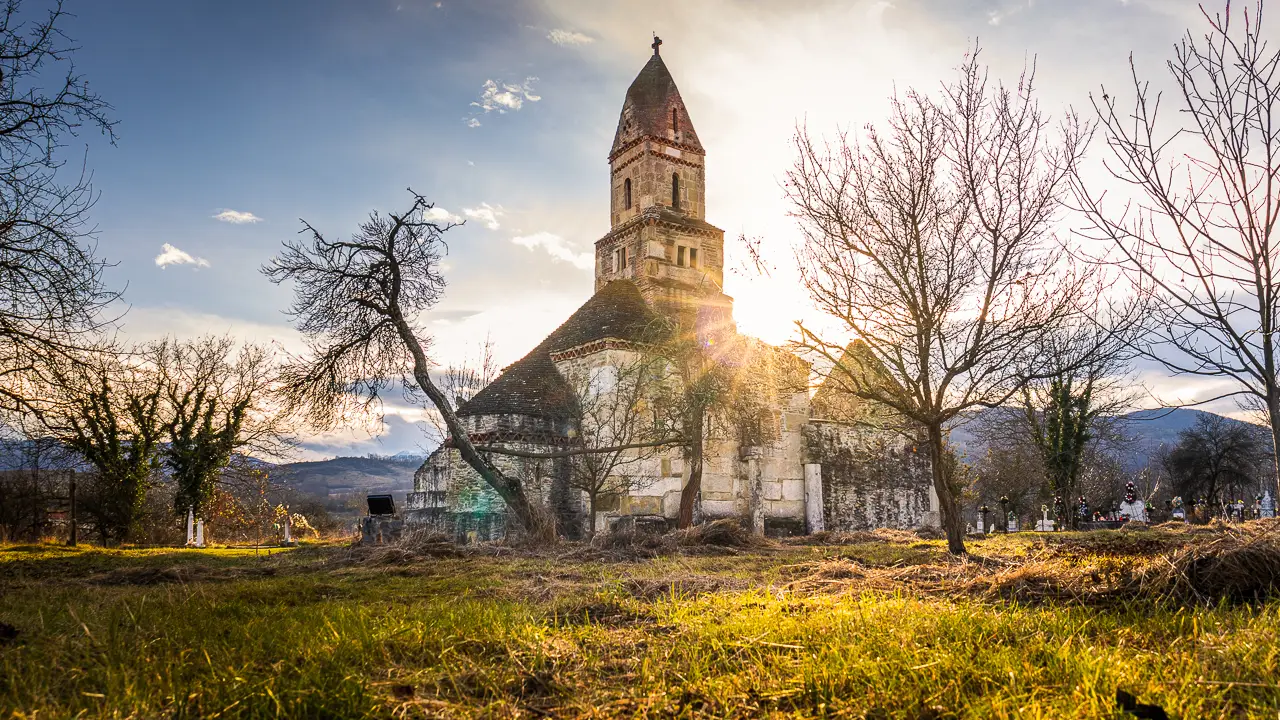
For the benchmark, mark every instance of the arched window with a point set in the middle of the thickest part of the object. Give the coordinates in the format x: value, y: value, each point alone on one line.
x: 626, y: 194
x: 675, y: 123
x: 675, y: 190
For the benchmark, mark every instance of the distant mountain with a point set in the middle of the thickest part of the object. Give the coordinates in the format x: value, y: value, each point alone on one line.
x: 351, y: 476
x: 1148, y: 431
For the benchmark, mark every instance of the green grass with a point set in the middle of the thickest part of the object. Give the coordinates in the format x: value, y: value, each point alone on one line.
x: 311, y: 633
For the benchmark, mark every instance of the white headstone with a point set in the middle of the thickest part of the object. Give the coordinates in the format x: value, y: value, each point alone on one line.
x: 813, y: 512
x: 1044, y: 524
x: 200, y: 533
x: 288, y: 539
x: 1136, y: 510
x: 191, y: 525
x: 1268, y: 507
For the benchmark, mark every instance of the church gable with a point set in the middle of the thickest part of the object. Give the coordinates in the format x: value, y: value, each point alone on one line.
x: 532, y: 385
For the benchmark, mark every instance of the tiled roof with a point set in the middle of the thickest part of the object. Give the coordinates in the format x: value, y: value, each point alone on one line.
x: 650, y: 99
x: 532, y: 385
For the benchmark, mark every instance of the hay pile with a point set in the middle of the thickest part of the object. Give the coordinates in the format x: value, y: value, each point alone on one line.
x: 726, y: 533
x: 726, y: 536
x: 1237, y: 564
x: 1240, y: 566
x: 411, y: 547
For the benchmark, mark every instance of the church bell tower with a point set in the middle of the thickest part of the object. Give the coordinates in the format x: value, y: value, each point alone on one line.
x: 659, y: 234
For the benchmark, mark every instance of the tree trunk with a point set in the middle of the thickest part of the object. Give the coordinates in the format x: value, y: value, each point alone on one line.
x: 591, y: 511
x: 952, y: 523
x: 1273, y: 414
x: 689, y: 494
x: 539, y: 527
x: 75, y: 534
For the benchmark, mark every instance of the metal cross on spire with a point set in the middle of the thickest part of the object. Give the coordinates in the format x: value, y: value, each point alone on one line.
x: 657, y: 42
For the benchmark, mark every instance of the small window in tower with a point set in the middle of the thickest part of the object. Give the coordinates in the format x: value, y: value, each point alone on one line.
x: 626, y: 193
x: 680, y: 256
x: 693, y: 257
x: 675, y: 123
x: 675, y: 190
x: 620, y: 259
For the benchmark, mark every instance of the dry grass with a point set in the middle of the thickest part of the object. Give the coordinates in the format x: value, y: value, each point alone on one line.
x: 718, y: 623
x: 1183, y: 565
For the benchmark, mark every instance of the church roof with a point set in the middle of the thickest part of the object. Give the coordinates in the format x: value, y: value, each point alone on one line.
x: 647, y: 109
x: 834, y: 399
x: 532, y: 385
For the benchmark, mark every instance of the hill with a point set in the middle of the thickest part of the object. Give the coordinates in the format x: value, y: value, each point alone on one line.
x: 1148, y: 431
x: 351, y: 477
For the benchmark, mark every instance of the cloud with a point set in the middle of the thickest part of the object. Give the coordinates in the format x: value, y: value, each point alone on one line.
x: 569, y: 38
x: 473, y: 122
x: 486, y: 214
x: 504, y: 97
x: 440, y: 215
x: 235, y: 217
x: 170, y: 255
x: 557, y: 248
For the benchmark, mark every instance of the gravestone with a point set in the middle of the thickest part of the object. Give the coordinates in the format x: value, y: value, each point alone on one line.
x: 1135, y: 510
x: 1044, y: 524
x: 1268, y: 507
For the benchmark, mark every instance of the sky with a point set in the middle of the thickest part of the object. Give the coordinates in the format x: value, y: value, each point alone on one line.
x: 237, y: 119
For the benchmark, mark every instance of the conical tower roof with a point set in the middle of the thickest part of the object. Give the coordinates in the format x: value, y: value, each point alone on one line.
x: 647, y: 110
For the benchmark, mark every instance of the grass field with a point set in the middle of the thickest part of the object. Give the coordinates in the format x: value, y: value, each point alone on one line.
x: 879, y: 626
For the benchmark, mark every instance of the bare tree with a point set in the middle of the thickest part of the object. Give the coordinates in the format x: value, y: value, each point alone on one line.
x: 357, y: 301
x: 35, y: 469
x: 933, y: 244
x: 1216, y: 459
x: 614, y: 411
x: 51, y: 285
x: 1198, y: 236
x: 220, y: 403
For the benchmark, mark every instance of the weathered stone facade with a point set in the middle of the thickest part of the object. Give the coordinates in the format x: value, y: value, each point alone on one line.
x: 871, y: 478
x: 790, y: 469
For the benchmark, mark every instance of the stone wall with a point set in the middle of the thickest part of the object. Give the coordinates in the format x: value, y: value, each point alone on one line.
x: 450, y: 496
x: 870, y: 478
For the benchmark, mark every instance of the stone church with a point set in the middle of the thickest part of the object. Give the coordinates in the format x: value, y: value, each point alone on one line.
x: 819, y: 465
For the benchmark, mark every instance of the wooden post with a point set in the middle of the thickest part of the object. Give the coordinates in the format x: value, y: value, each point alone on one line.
x: 75, y: 523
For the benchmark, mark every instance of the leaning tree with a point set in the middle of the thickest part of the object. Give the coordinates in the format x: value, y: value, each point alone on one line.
x: 1198, y: 231
x: 932, y: 241
x: 357, y: 302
